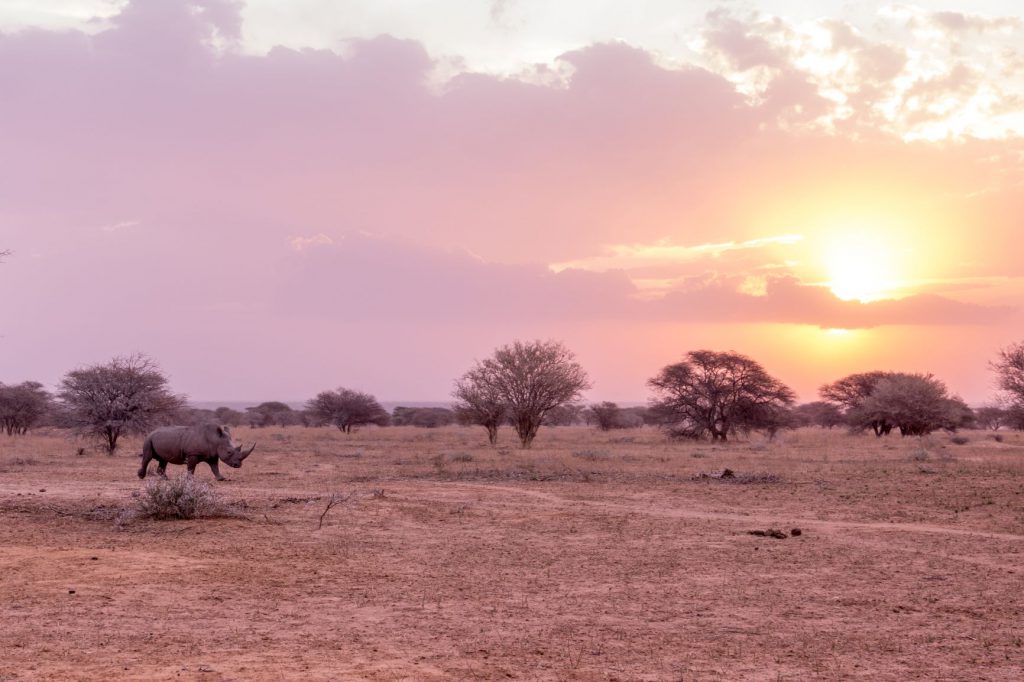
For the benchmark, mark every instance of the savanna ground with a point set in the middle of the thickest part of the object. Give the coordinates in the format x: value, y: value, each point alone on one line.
x: 593, y: 556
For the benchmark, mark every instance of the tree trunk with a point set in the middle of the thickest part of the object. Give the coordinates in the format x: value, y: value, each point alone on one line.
x: 112, y: 435
x: 527, y: 430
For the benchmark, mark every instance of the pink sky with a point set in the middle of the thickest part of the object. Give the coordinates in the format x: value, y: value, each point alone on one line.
x: 267, y: 224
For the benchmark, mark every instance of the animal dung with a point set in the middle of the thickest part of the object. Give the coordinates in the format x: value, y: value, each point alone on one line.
x: 796, y: 532
x: 770, y: 533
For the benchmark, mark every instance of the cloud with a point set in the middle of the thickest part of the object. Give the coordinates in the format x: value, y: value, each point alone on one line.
x: 303, y: 243
x: 499, y: 11
x: 828, y: 74
x: 784, y: 299
x: 123, y: 225
x: 355, y: 276
x: 746, y: 44
x: 351, y: 277
x: 643, y: 256
x: 958, y: 22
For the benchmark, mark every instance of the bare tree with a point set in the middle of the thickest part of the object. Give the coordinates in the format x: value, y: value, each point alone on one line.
x: 22, y: 407
x: 480, y: 403
x: 530, y: 379
x: 992, y: 417
x: 712, y: 395
x: 128, y: 395
x: 1009, y: 369
x: 346, y: 409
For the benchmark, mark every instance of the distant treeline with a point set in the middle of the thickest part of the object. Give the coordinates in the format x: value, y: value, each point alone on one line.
x: 605, y: 416
x: 710, y: 395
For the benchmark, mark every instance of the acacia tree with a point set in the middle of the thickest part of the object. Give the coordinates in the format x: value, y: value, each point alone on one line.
x: 606, y: 415
x: 22, y: 407
x: 712, y: 394
x: 849, y: 395
x: 128, y: 395
x: 346, y: 409
x: 271, y: 413
x: 531, y: 379
x: 916, y: 404
x: 478, y: 402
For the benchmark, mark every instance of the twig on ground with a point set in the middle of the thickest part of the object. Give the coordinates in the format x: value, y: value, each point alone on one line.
x: 334, y: 500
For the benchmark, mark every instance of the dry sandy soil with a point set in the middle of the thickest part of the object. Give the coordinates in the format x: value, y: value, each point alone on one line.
x: 592, y: 557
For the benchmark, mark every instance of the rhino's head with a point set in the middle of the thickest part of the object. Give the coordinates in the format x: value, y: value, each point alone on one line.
x: 226, y: 450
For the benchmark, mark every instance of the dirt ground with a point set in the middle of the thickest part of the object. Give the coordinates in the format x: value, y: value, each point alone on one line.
x: 594, y: 556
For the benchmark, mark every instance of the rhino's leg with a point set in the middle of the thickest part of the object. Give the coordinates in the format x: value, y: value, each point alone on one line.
x: 215, y: 468
x: 190, y: 464
x: 162, y: 467
x: 147, y: 454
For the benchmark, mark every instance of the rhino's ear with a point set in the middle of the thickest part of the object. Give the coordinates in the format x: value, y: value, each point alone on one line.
x: 220, y: 431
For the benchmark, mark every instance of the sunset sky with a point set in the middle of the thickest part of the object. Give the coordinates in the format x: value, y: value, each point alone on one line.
x: 276, y: 197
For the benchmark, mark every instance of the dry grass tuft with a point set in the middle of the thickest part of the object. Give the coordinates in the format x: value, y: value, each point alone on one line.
x: 182, y: 497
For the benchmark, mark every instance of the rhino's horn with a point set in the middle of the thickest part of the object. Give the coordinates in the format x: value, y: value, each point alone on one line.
x: 248, y: 452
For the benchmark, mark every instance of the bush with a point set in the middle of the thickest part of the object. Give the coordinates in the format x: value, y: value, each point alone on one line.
x: 960, y: 440
x: 183, y: 497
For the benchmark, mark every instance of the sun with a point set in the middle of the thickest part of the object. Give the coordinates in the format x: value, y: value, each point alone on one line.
x: 859, y: 269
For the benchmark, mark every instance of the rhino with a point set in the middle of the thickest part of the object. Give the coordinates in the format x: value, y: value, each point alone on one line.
x: 190, y: 445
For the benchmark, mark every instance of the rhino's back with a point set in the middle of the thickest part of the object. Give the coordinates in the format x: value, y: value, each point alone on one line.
x: 169, y: 441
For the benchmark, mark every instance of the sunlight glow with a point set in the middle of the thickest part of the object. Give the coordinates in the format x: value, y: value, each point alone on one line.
x: 859, y: 269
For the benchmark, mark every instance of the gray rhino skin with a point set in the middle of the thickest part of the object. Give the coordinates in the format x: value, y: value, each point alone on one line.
x: 190, y: 445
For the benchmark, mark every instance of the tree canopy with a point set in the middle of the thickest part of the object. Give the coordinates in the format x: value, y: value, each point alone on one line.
x: 527, y: 379
x: 128, y: 395
x: 347, y: 409
x: 714, y: 394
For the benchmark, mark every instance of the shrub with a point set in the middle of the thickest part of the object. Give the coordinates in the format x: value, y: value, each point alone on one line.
x: 960, y: 440
x: 183, y: 497
x: 591, y: 455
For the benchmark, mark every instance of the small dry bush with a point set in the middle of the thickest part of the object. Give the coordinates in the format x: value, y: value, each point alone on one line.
x: 183, y: 497
x: 960, y: 440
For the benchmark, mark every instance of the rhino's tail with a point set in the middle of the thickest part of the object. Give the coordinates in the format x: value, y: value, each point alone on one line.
x: 148, y: 453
